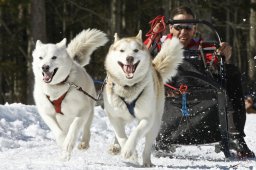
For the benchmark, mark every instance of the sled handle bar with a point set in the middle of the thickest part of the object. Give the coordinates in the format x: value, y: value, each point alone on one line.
x: 195, y: 21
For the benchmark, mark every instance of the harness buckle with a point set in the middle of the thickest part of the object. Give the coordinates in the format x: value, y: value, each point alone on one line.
x: 183, y: 88
x: 72, y: 85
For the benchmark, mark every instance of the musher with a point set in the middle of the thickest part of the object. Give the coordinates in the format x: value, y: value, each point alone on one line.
x: 185, y: 33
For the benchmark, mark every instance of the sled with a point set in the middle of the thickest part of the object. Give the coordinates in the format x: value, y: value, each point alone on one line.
x: 198, y: 114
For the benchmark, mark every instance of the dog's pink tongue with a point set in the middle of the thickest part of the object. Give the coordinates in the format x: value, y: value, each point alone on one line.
x: 129, y: 69
x: 46, y: 77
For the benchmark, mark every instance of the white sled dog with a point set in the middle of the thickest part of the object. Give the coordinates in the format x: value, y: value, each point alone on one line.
x: 135, y: 89
x: 60, y: 86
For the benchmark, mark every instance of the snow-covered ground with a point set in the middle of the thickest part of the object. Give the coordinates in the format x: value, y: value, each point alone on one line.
x: 27, y: 143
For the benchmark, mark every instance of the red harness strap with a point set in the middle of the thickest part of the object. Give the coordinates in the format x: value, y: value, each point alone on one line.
x: 158, y: 20
x: 158, y: 26
x: 182, y: 89
x: 57, y: 103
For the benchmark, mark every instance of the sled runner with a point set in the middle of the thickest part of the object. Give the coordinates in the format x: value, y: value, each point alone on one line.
x: 196, y: 114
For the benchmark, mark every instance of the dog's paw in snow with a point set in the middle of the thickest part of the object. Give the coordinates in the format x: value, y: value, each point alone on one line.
x: 83, y: 145
x: 114, y: 149
x: 128, y: 150
x: 65, y: 156
x: 148, y: 164
x: 132, y: 158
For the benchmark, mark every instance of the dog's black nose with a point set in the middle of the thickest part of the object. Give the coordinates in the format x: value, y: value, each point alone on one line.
x: 45, y: 68
x: 130, y: 59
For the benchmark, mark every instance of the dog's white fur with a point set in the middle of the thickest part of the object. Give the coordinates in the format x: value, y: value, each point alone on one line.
x: 77, y: 108
x: 144, y: 83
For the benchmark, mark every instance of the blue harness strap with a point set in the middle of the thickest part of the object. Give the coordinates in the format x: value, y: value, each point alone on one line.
x: 184, y: 108
x: 183, y: 90
x: 130, y: 106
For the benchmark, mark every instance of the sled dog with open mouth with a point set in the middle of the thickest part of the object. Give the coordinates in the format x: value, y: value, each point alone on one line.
x: 135, y: 90
x: 61, y: 84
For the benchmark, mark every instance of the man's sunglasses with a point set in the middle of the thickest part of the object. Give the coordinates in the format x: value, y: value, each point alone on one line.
x: 179, y: 27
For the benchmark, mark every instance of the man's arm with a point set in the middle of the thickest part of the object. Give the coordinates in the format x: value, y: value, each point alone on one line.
x: 226, y: 50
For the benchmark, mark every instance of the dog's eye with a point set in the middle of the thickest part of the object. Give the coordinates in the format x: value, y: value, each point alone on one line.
x: 54, y: 57
x: 121, y: 50
x: 135, y: 50
x: 40, y: 58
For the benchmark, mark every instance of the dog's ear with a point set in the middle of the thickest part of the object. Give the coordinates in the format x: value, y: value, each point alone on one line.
x: 116, y: 37
x: 38, y: 43
x: 139, y: 35
x: 62, y: 43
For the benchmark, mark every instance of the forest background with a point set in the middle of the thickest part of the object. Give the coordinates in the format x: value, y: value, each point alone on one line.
x: 22, y: 22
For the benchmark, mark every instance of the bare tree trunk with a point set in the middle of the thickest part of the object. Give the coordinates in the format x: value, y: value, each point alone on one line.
x: 228, y: 20
x: 1, y: 54
x: 236, y: 43
x: 64, y: 23
x: 139, y: 26
x: 166, y: 6
x: 38, y: 16
x: 252, y: 43
x: 115, y: 16
x: 123, y: 18
x: 37, y: 31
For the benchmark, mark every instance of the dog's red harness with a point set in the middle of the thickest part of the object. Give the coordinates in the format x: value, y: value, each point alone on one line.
x: 57, y: 103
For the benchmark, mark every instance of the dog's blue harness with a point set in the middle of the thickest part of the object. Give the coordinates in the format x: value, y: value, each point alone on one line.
x: 130, y: 106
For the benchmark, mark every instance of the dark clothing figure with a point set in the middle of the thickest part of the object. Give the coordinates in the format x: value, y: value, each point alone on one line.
x: 236, y: 97
x: 203, y: 121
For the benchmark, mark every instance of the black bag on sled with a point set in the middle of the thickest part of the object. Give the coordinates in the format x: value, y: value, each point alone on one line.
x: 202, y: 124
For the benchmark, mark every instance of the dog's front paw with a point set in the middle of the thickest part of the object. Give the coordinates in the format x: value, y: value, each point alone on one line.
x: 148, y: 164
x: 128, y: 151
x: 114, y: 149
x: 126, y: 154
x: 65, y: 156
x: 131, y: 156
x: 83, y: 145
